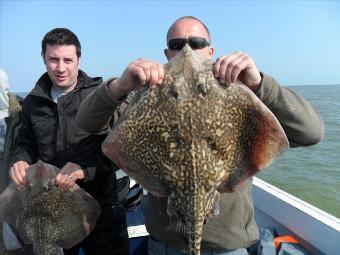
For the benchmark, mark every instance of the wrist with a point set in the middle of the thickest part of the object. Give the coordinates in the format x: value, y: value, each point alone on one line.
x: 89, y: 173
x: 116, y: 90
x: 256, y: 84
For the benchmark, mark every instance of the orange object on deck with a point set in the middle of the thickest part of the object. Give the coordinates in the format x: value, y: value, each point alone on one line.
x: 284, y: 239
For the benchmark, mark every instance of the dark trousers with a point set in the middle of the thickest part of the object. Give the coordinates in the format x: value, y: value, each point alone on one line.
x: 109, y: 237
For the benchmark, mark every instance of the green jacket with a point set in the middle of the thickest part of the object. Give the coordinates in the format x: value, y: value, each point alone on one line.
x: 235, y: 226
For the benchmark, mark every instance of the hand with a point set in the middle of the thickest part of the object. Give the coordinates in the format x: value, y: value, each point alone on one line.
x: 138, y: 73
x: 237, y: 66
x: 68, y: 176
x: 18, y: 172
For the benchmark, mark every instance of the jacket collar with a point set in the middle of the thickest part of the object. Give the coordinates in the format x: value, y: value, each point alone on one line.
x: 43, y: 86
x: 14, y: 104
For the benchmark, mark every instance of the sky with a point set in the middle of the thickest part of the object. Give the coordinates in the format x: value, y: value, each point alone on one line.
x: 296, y: 42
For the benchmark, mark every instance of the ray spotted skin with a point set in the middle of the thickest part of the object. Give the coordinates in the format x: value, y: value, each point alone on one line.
x: 44, y: 215
x: 192, y: 137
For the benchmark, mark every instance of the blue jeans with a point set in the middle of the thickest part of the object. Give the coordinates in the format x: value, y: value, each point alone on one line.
x: 156, y: 247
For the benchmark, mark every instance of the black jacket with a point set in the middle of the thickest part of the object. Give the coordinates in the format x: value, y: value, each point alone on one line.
x: 49, y: 133
x: 13, y: 124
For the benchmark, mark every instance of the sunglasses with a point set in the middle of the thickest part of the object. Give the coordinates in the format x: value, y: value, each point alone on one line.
x: 195, y: 43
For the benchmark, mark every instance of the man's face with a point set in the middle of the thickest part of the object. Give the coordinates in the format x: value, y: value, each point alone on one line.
x: 62, y: 65
x: 188, y: 28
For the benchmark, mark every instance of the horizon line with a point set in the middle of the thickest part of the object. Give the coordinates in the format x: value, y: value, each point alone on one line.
x: 319, y: 84
x: 288, y: 85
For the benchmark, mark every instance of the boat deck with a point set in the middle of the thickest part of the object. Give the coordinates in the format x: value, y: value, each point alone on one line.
x: 317, y: 231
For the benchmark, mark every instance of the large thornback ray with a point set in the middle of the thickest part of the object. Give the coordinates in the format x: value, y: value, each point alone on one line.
x: 44, y: 215
x: 192, y: 138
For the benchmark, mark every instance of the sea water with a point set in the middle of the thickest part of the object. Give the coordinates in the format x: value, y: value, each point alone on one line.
x: 313, y: 173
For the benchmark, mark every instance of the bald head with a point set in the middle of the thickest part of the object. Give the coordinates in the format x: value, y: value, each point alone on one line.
x: 189, y: 27
x: 193, y: 21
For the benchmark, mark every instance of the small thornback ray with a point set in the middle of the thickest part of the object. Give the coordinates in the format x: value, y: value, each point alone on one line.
x: 192, y: 138
x: 44, y: 215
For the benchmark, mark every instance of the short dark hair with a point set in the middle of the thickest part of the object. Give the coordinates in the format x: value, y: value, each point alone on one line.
x: 188, y: 17
x: 61, y: 36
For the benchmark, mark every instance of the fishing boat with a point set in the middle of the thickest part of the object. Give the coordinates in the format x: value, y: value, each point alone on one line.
x: 296, y: 225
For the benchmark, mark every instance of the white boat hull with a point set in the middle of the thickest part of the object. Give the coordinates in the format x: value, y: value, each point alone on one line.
x: 318, y: 231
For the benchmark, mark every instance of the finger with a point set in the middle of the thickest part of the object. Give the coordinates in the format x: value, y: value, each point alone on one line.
x: 59, y: 183
x: 62, y: 184
x: 222, y: 70
x: 69, y: 182
x: 64, y: 178
x: 61, y: 176
x: 14, y: 177
x: 147, y: 72
x: 234, y: 68
x: 57, y: 179
x: 238, y: 68
x: 223, y: 60
x: 71, y: 178
x: 19, y: 175
x: 217, y: 65
x: 66, y: 175
x: 18, y: 172
x: 160, y: 74
x: 141, y: 74
x: 154, y: 75
x: 226, y: 67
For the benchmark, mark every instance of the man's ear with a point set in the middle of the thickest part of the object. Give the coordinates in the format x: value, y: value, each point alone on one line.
x: 43, y: 57
x: 166, y: 53
x: 211, y: 51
